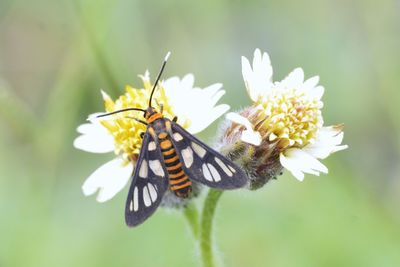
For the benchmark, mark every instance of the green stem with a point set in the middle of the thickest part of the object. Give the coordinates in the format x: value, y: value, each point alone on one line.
x: 191, y: 214
x: 206, y: 244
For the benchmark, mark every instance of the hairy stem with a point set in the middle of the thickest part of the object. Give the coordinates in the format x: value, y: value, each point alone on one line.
x: 207, y: 249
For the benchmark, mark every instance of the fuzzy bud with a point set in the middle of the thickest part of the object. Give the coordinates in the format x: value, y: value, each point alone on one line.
x: 260, y: 162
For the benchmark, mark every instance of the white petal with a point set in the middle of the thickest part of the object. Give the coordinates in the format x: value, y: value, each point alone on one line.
x: 311, y: 82
x: 257, y: 79
x: 211, y: 90
x: 247, y: 74
x: 239, y: 119
x: 316, y: 92
x: 291, y: 166
x: 299, y: 162
x: 262, y: 68
x: 294, y: 79
x: 105, y: 96
x: 188, y: 81
x: 215, y: 97
x: 328, y: 141
x: 145, y: 77
x: 85, y: 128
x: 95, y: 119
x: 108, y: 179
x: 95, y: 138
x: 195, y: 105
x: 249, y: 135
x: 204, y: 120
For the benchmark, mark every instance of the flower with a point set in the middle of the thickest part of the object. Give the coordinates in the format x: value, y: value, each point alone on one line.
x: 194, y: 107
x: 284, y: 125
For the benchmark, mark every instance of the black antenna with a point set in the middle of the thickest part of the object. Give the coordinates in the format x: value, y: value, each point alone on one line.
x: 118, y: 111
x: 158, y: 77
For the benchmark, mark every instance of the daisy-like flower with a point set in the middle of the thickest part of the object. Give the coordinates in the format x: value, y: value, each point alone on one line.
x: 120, y: 133
x: 283, y: 127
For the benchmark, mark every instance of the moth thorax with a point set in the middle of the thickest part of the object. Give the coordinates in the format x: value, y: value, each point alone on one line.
x: 151, y: 115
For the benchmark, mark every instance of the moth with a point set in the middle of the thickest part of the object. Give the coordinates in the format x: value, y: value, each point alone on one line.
x: 170, y: 159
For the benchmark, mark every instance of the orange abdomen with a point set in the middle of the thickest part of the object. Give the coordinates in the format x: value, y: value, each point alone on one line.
x: 179, y: 182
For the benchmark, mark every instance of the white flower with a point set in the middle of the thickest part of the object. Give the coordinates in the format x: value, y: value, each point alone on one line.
x: 287, y: 115
x: 195, y: 108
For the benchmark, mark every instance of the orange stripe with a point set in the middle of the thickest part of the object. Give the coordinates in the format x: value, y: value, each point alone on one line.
x: 177, y: 187
x: 152, y: 132
x: 169, y: 152
x: 176, y: 174
x: 154, y: 117
x: 171, y: 159
x: 177, y: 166
x: 162, y: 135
x: 166, y: 144
x: 172, y: 182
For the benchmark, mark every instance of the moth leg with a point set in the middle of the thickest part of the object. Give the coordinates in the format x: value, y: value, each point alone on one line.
x: 168, y: 126
x: 175, y: 119
x: 136, y: 119
x: 160, y: 105
x: 142, y: 135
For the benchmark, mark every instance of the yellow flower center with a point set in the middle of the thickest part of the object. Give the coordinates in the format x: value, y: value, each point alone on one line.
x: 289, y: 117
x: 123, y: 126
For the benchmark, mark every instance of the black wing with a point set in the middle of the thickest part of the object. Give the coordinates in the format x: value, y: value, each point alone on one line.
x: 148, y: 185
x: 205, y: 165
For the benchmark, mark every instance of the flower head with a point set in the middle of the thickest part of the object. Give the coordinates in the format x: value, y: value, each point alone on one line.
x: 284, y: 125
x: 120, y: 133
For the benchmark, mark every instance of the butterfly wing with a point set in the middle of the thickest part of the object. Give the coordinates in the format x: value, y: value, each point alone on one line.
x: 149, y: 183
x: 203, y: 164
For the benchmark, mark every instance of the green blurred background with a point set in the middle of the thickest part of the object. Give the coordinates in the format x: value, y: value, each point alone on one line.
x: 56, y: 55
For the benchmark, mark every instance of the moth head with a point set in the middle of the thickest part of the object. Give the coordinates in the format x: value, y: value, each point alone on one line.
x: 149, y: 112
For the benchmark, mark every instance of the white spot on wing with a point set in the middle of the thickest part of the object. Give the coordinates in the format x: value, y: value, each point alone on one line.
x: 146, y: 197
x: 187, y: 155
x: 231, y: 168
x: 223, y: 167
x: 152, y: 146
x: 199, y: 150
x: 131, y: 205
x: 135, y: 199
x: 178, y: 137
x: 153, y: 192
x: 214, y: 173
x: 143, y: 169
x: 207, y: 173
x: 156, y: 167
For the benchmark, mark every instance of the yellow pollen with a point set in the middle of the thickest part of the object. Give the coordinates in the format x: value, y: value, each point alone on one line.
x: 123, y: 127
x: 290, y: 118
